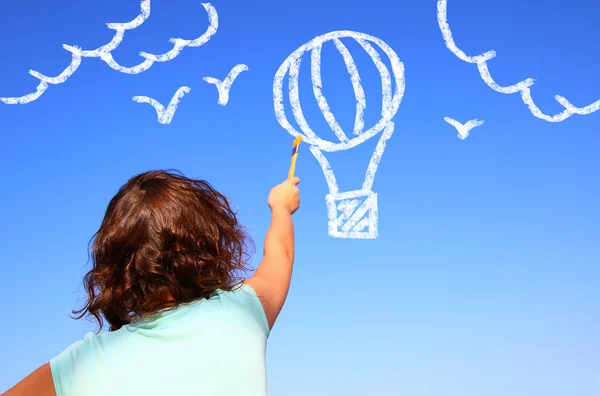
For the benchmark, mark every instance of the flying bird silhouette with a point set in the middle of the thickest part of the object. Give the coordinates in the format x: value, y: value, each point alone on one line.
x: 224, y: 86
x: 164, y: 115
x: 463, y: 129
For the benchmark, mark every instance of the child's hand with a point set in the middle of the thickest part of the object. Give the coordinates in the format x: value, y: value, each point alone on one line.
x: 285, y: 196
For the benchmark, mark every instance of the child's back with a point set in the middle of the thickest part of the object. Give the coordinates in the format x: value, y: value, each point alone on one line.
x: 212, y: 346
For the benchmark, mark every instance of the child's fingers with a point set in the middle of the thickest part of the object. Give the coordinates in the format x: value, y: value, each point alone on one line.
x: 294, y: 180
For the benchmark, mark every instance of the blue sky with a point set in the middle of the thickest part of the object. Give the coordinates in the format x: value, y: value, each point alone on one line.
x: 483, y: 278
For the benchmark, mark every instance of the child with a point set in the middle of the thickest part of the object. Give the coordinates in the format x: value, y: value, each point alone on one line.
x: 165, y: 261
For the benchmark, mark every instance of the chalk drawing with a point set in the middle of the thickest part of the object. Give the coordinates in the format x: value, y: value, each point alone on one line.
x: 105, y: 52
x: 224, y: 86
x: 45, y: 80
x: 39, y: 91
x: 522, y: 87
x: 463, y: 129
x: 352, y: 214
x: 165, y: 116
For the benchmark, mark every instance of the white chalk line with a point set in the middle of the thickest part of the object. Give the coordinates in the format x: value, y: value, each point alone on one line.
x: 223, y: 87
x: 105, y: 52
x: 317, y: 83
x: 386, y: 81
x: 62, y: 77
x: 327, y: 171
x: 351, y: 222
x: 165, y: 116
x: 347, y: 207
x: 291, y: 65
x: 523, y: 86
x: 295, y: 100
x: 361, y: 225
x: 376, y: 158
x: 358, y: 215
x: 135, y: 23
x: 358, y: 211
x: 41, y: 88
x: 464, y: 129
x: 359, y: 93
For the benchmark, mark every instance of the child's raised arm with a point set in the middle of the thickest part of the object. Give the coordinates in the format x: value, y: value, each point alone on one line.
x: 271, y: 280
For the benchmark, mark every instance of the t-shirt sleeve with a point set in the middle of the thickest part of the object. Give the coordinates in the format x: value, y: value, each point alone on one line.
x: 63, y: 366
x: 250, y: 300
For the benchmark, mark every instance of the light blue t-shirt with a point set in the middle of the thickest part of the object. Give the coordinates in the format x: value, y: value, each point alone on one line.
x: 213, y: 346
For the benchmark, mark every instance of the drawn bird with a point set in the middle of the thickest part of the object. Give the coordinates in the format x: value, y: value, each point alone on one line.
x: 463, y: 129
x: 224, y: 86
x: 164, y: 115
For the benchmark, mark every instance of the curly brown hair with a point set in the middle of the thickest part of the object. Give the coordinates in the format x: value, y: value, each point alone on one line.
x: 165, y: 240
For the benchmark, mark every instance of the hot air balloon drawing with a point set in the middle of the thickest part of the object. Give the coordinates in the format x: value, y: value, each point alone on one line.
x: 352, y: 214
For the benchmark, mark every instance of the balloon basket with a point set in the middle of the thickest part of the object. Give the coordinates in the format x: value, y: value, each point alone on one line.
x: 353, y: 214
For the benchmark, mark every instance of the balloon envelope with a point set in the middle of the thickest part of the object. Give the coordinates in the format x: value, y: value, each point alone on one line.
x: 391, y: 98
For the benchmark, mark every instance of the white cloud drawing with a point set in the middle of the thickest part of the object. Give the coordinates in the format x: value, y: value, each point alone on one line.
x: 105, y: 53
x: 522, y: 87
